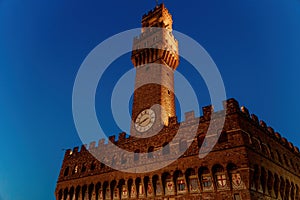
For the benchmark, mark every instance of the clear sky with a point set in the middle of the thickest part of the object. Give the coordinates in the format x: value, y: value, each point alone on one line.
x: 255, y: 44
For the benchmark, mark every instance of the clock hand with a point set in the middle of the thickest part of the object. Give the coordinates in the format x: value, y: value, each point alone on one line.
x: 144, y: 120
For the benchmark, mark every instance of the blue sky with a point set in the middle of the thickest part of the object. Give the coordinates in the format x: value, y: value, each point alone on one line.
x: 255, y: 45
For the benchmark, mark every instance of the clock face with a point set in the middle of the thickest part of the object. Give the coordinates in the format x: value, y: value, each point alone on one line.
x: 144, y: 120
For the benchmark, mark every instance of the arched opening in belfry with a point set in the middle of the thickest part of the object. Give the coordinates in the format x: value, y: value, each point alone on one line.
x: 90, y: 191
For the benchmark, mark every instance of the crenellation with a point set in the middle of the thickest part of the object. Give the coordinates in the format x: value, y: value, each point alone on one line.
x: 278, y: 136
x: 75, y: 150
x: 92, y: 145
x: 255, y: 119
x: 189, y: 115
x: 262, y: 124
x: 112, y: 138
x: 271, y: 131
x: 245, y: 111
x: 122, y: 137
x: 231, y: 106
x: 83, y: 148
x: 207, y: 111
x: 284, y: 141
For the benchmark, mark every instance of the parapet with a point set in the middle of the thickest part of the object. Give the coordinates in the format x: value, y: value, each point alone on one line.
x: 231, y: 105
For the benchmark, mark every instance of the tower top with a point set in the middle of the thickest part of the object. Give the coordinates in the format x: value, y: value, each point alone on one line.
x: 158, y: 17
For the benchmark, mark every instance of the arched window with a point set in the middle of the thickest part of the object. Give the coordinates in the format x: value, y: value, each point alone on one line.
x: 180, y: 182
x: 282, y: 187
x: 66, y: 172
x: 292, y: 191
x: 93, y: 165
x: 150, y: 152
x: 234, y: 175
x: 276, y: 185
x: 256, y: 144
x: 279, y: 156
x: 287, y: 188
x: 265, y: 150
x: 83, y: 168
x: 166, y: 148
x: 136, y: 155
x: 286, y: 160
x: 270, y: 182
x: 256, y: 176
x: 219, y: 176
x: 263, y: 179
x: 205, y: 179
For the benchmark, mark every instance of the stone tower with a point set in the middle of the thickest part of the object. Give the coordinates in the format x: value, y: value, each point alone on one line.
x: 155, y: 57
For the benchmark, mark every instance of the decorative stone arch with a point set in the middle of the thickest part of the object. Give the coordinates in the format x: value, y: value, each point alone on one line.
x: 276, y: 185
x: 292, y: 191
x: 263, y: 179
x: 270, y: 184
x: 265, y: 150
x: 256, y: 143
x: 205, y: 179
x: 192, y: 180
x: 279, y: 159
x: 287, y: 188
x: 286, y: 161
x: 282, y: 187
x: 220, y: 177
x: 256, y: 177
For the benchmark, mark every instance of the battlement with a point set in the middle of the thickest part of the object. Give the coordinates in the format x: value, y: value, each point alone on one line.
x: 231, y: 106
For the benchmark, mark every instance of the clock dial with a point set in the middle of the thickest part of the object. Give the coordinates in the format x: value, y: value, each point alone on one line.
x: 145, y: 120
